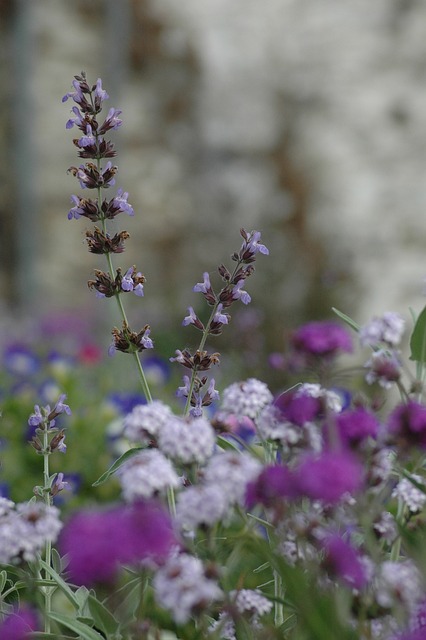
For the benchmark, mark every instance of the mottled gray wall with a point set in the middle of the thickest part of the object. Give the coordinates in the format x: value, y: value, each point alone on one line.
x: 304, y: 119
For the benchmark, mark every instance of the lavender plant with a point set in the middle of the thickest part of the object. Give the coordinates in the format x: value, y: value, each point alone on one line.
x: 299, y: 515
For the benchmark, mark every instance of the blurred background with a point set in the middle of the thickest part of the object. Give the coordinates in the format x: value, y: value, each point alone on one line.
x: 304, y: 120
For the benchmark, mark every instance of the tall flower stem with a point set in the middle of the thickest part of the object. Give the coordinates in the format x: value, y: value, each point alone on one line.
x: 47, y: 590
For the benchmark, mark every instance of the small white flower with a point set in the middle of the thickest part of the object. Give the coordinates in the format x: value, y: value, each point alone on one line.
x: 333, y: 400
x: 398, y: 582
x: 182, y: 587
x: 414, y: 498
x: 145, y: 421
x: 147, y: 474
x: 251, y: 601
x: 231, y: 472
x: 246, y: 398
x: 188, y: 441
x: 388, y: 329
x: 200, y: 505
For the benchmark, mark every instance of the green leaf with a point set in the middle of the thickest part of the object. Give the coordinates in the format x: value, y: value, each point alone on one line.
x: 3, y: 580
x: 102, y: 617
x: 418, y: 339
x: 354, y: 325
x: 117, y: 464
x: 85, y: 632
x: 66, y: 590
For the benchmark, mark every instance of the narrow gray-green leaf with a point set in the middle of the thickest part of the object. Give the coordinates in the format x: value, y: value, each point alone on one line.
x: 418, y: 339
x: 85, y: 632
x: 116, y: 465
x: 61, y: 584
x: 354, y: 325
x: 103, y: 618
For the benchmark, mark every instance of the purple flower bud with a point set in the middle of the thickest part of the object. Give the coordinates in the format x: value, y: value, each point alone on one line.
x: 60, y: 407
x: 76, y: 211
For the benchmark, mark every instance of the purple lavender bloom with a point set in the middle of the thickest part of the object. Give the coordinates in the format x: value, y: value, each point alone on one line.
x: 17, y: 625
x: 76, y: 95
x: 407, y: 424
x: 343, y: 561
x: 239, y: 294
x: 98, y: 542
x: 273, y: 484
x: 323, y: 339
x: 36, y: 418
x: 61, y: 407
x: 100, y: 93
x: 183, y: 391
x: 120, y: 202
x: 329, y: 476
x: 88, y: 139
x: 127, y: 281
x: 205, y: 286
x: 112, y: 121
x: 78, y: 120
x: 254, y: 246
x: 219, y: 317
x: 146, y: 340
x: 356, y: 426
x: 191, y: 318
x: 138, y: 290
x: 76, y: 211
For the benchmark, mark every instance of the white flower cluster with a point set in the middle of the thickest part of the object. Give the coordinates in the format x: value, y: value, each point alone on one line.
x: 187, y: 442
x: 413, y: 497
x: 25, y: 528
x: 246, y: 398
x: 182, y: 587
x: 388, y: 329
x: 146, y: 475
x: 231, y: 472
x: 398, y: 582
x: 201, y: 505
x: 145, y: 421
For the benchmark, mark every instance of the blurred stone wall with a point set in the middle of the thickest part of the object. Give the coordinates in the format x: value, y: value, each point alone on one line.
x: 305, y: 120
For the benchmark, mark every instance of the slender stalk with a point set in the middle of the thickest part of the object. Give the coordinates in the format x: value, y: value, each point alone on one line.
x: 48, y: 591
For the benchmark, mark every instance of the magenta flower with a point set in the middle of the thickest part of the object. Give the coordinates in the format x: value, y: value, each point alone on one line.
x: 273, y: 484
x: 298, y: 408
x: 17, y: 625
x: 323, y: 339
x: 343, y: 561
x: 329, y: 476
x: 356, y: 426
x: 407, y: 424
x: 97, y: 542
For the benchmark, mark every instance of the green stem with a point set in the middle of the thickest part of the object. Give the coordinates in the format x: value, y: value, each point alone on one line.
x: 48, y: 591
x: 200, y: 348
x: 142, y: 377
